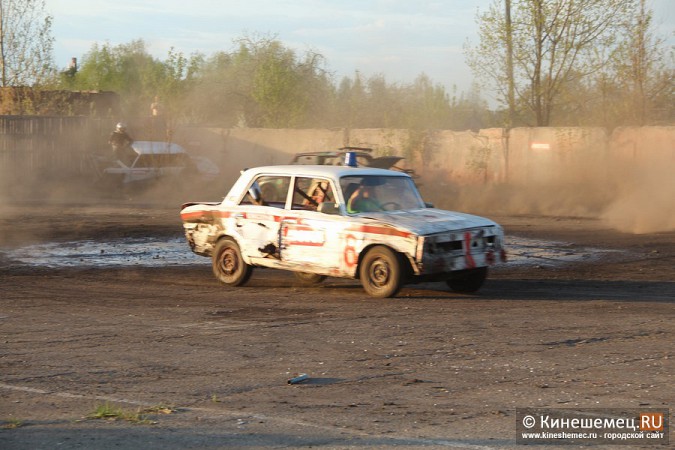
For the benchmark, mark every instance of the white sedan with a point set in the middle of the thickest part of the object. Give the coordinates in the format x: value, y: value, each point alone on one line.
x: 340, y: 221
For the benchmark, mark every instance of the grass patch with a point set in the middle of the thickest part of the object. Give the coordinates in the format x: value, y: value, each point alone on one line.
x: 12, y: 423
x: 107, y: 411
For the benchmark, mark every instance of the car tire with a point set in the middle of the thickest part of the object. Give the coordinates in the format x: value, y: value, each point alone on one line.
x: 469, y: 281
x: 228, y: 265
x: 381, y: 272
x: 309, y: 278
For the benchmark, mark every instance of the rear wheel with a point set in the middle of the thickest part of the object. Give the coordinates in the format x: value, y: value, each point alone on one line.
x: 91, y: 169
x: 309, y: 278
x: 468, y: 281
x: 381, y: 272
x: 228, y: 265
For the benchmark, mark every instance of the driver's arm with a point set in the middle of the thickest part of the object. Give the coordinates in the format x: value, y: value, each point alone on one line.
x: 351, y: 207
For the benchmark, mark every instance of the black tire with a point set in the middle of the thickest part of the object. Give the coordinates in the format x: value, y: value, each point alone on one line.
x: 228, y: 265
x: 90, y: 169
x: 469, y: 281
x: 309, y: 278
x: 381, y: 272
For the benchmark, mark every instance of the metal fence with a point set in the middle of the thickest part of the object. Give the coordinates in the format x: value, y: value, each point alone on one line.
x: 43, y: 150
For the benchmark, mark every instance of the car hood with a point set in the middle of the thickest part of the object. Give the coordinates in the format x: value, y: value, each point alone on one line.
x: 429, y: 220
x: 205, y: 166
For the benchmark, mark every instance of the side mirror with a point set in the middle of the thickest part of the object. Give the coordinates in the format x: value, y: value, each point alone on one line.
x: 329, y: 208
x: 428, y: 204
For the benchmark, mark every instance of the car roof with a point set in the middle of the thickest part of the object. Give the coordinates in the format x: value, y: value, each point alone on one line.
x: 332, y: 153
x: 324, y: 171
x: 157, y: 148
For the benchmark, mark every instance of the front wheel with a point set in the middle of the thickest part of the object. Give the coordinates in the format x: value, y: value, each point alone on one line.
x: 469, y: 281
x: 380, y: 272
x: 228, y: 265
x: 309, y: 278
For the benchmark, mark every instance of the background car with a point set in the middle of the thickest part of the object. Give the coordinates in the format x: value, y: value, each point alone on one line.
x: 364, y: 158
x: 149, y: 161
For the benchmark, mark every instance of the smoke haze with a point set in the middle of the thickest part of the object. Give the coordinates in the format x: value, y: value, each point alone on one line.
x: 631, y: 191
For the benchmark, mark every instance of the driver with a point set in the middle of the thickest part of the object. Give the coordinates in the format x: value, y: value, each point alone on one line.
x: 120, y: 141
x: 364, y: 199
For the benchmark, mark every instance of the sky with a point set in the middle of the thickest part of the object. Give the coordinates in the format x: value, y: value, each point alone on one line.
x: 399, y: 39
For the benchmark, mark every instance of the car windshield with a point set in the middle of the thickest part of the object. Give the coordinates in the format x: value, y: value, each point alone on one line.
x: 371, y: 193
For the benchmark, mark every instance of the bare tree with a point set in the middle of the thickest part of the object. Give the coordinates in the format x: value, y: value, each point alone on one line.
x: 26, y: 43
x: 642, y: 70
x: 550, y: 42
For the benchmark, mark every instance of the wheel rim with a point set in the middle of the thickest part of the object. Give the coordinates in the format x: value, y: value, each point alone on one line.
x: 380, y: 273
x: 229, y: 263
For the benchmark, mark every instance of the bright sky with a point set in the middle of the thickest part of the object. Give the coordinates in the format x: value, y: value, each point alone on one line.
x: 397, y: 38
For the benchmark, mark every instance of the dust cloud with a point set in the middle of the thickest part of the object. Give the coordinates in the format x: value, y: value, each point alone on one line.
x: 644, y: 201
x: 632, y: 194
x: 635, y: 196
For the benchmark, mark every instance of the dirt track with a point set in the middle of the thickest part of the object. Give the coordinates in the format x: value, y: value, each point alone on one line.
x: 428, y: 368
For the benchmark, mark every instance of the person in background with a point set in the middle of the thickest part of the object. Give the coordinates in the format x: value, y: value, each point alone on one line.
x: 156, y: 108
x: 120, y: 141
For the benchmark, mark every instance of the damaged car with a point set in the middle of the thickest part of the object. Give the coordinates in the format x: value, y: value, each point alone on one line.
x: 339, y: 221
x: 363, y: 157
x: 144, y: 162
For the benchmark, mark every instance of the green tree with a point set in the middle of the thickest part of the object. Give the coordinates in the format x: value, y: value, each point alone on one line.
x: 428, y: 105
x: 213, y: 96
x: 635, y: 88
x: 127, y: 69
x: 553, y: 42
x: 644, y: 71
x: 279, y: 86
x: 376, y: 103
x: 26, y: 43
x: 262, y: 83
x: 172, y: 84
x: 350, y: 103
x: 470, y: 111
x: 138, y: 77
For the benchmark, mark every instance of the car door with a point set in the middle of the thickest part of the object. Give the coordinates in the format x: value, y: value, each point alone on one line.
x: 307, y: 236
x: 257, y: 221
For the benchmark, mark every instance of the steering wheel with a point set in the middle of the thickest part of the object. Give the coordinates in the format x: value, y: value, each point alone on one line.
x: 394, y: 206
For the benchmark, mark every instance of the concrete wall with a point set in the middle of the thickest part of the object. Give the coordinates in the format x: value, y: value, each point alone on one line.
x: 626, y: 176
x: 560, y: 171
x: 521, y: 156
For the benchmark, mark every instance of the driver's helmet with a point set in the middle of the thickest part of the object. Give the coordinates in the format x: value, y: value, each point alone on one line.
x: 121, y: 127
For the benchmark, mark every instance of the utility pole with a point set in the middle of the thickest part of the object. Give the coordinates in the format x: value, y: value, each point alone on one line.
x: 506, y: 133
x: 3, y: 70
x: 509, y: 63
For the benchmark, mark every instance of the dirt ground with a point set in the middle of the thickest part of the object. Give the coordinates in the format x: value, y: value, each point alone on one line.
x: 179, y: 361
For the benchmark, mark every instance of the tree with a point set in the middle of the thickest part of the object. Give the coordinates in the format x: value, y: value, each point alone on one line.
x: 553, y: 42
x: 262, y: 83
x: 635, y: 88
x: 424, y: 105
x: 26, y: 43
x: 173, y: 82
x: 351, y: 102
x: 642, y: 71
x: 279, y: 87
x: 127, y: 69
